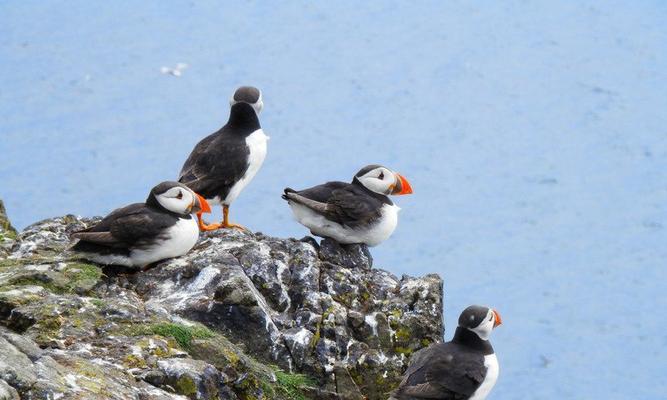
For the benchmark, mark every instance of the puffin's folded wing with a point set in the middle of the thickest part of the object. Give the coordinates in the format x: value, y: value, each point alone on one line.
x: 418, y: 366
x: 423, y: 391
x: 335, y: 201
x: 124, y: 227
x: 414, y: 384
x: 345, y: 207
x: 103, y: 238
x: 323, y: 192
x: 312, y: 204
x: 458, y: 372
x: 137, y: 227
x: 199, y: 156
x: 206, y: 165
x: 101, y: 233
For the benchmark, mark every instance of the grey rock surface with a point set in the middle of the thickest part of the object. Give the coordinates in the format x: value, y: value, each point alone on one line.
x: 208, y: 325
x: 7, y: 239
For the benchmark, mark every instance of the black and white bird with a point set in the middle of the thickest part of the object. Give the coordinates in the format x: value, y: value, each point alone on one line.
x: 464, y: 369
x: 143, y: 233
x: 357, y: 212
x: 223, y: 163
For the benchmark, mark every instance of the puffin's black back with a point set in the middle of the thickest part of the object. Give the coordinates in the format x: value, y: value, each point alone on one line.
x: 349, y: 204
x: 452, y: 370
x: 130, y: 227
x: 221, y: 159
x: 446, y: 371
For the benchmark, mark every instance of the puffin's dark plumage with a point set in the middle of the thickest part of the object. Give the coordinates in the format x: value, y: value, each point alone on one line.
x: 357, y: 212
x: 221, y: 159
x: 465, y: 368
x: 349, y: 204
x: 124, y: 229
x: 247, y: 94
x: 223, y: 163
x: 142, y: 233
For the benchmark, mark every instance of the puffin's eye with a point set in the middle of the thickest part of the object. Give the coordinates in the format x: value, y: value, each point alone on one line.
x: 179, y: 195
x: 381, y: 175
x: 490, y: 317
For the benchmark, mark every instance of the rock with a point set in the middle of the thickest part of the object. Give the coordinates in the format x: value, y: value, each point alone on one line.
x: 349, y: 255
x: 298, y: 341
x: 7, y: 235
x: 16, y: 367
x: 192, y: 378
x: 208, y: 324
x: 7, y: 392
x: 55, y: 374
x: 346, y: 388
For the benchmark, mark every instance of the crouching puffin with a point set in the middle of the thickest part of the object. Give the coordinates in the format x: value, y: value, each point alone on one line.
x: 143, y: 233
x: 465, y: 368
x: 357, y: 212
x: 223, y: 163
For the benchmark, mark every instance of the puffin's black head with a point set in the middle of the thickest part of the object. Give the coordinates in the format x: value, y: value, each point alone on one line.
x: 177, y: 198
x: 480, y: 319
x: 382, y: 180
x: 248, y: 95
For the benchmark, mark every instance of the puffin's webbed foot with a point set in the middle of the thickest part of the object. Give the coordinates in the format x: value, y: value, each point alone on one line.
x: 225, y: 220
x: 233, y: 226
x: 204, y: 227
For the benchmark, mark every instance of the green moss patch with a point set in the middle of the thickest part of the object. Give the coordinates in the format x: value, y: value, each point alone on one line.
x: 7, y: 263
x: 185, y: 385
x: 98, y: 303
x: 82, y: 276
x: 77, y: 278
x: 292, y: 385
x: 182, y: 334
x: 7, y: 235
x: 37, y: 280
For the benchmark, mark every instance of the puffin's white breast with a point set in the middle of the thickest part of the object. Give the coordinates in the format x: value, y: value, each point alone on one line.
x: 256, y: 143
x: 176, y: 241
x: 372, y: 235
x: 492, y: 371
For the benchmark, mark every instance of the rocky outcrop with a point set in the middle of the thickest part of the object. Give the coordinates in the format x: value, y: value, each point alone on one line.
x: 241, y: 316
x: 7, y: 237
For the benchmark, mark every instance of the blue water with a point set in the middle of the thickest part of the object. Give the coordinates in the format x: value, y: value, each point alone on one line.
x: 534, y: 135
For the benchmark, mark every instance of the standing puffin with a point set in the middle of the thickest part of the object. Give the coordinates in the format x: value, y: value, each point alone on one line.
x: 357, y: 212
x: 464, y: 369
x: 223, y: 163
x: 143, y: 233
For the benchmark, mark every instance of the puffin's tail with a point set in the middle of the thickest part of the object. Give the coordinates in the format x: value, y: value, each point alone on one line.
x: 286, y: 191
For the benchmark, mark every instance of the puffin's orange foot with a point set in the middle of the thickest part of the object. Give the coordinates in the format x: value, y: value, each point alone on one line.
x: 233, y: 226
x: 204, y: 227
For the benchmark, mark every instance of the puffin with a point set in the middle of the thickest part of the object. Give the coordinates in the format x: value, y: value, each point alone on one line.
x: 464, y: 369
x: 222, y: 164
x: 356, y: 212
x: 143, y: 233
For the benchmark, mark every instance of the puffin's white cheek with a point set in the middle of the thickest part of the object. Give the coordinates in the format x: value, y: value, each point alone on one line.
x: 483, y: 330
x: 173, y: 204
x: 376, y: 185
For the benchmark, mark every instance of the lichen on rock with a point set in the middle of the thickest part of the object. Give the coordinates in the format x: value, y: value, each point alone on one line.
x: 242, y: 316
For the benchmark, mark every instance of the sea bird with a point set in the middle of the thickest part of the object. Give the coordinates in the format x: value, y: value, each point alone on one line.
x: 223, y: 163
x: 143, y: 233
x: 464, y: 369
x: 356, y: 212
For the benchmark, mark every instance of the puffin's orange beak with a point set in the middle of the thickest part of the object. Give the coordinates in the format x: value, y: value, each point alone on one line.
x: 498, y: 320
x: 402, y: 186
x: 200, y: 205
